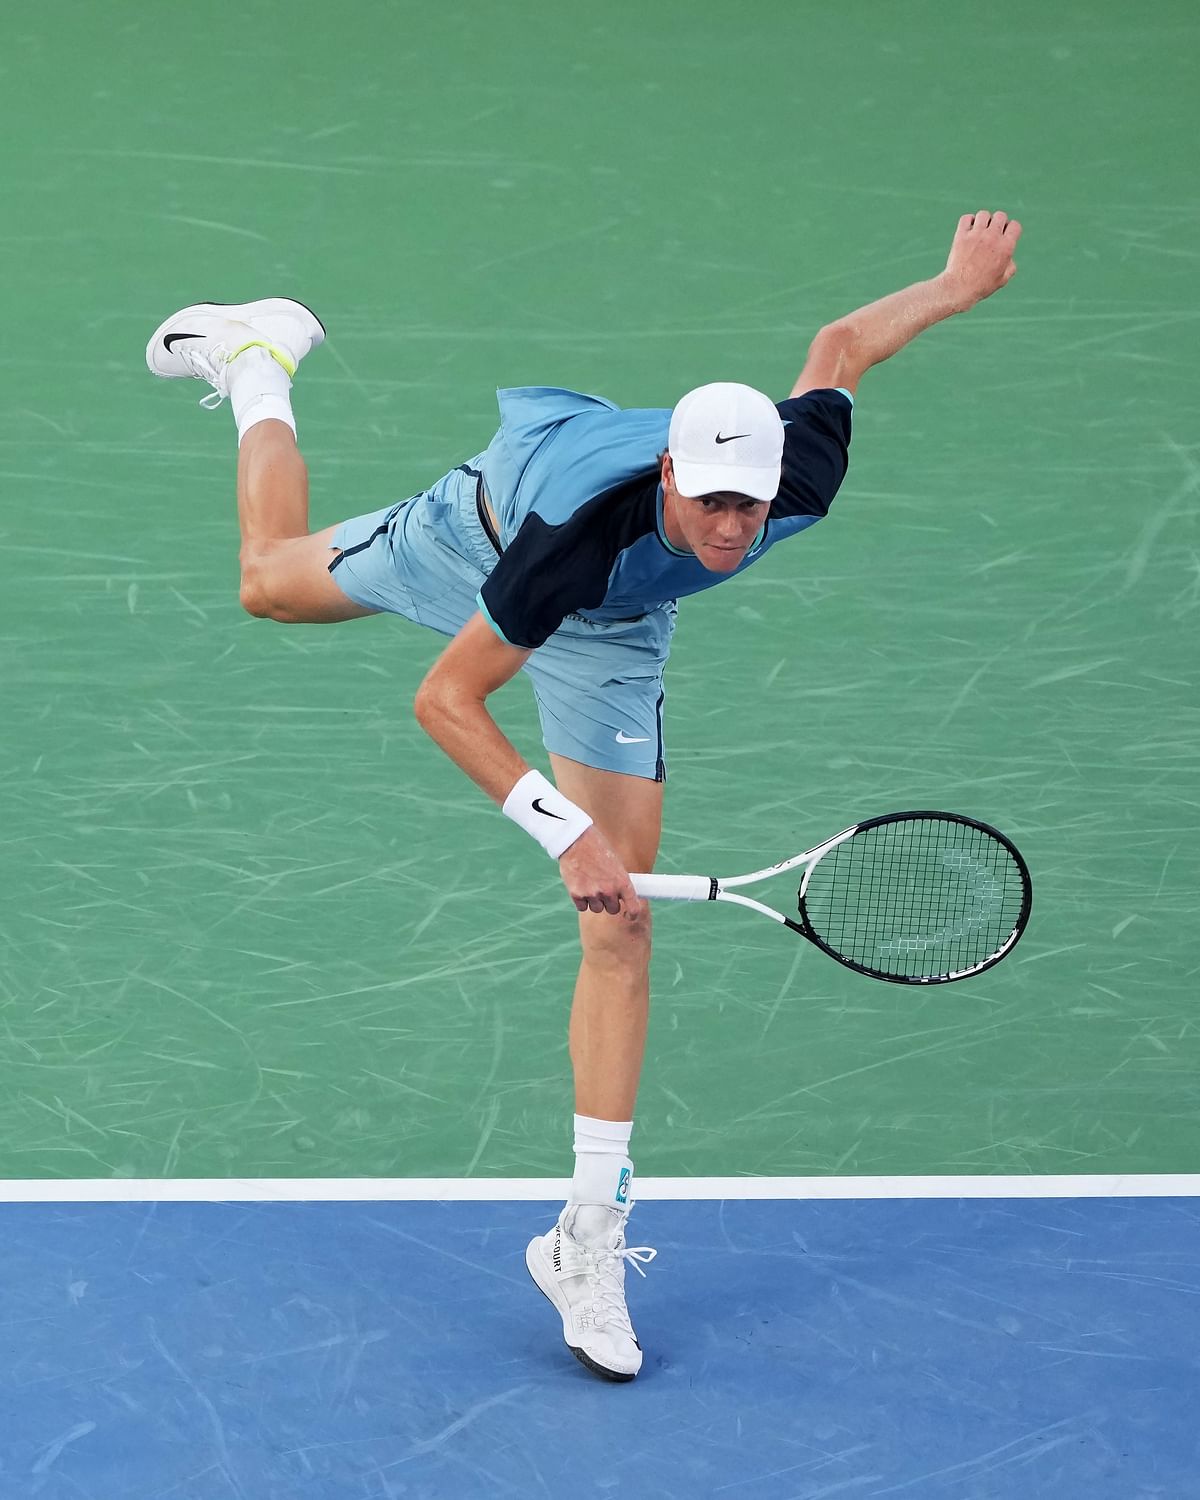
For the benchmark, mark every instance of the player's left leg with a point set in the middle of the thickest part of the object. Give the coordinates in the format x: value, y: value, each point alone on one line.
x: 599, y: 690
x: 612, y: 993
x: 580, y: 1263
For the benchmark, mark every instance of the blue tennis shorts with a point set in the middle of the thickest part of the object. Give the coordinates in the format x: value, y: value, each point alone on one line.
x: 598, y: 684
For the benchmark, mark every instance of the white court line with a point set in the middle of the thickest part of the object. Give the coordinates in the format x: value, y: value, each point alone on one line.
x: 551, y: 1189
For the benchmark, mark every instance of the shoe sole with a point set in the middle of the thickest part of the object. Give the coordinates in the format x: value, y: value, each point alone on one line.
x: 265, y: 305
x: 619, y: 1377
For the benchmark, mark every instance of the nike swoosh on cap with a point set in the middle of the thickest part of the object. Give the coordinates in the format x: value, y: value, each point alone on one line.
x: 732, y: 438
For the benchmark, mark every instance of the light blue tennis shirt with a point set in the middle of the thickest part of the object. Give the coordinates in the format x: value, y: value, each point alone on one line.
x: 573, y: 482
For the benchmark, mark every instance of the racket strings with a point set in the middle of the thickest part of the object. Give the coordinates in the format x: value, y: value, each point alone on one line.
x: 916, y: 897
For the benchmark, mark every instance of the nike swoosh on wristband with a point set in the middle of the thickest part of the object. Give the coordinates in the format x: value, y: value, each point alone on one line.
x: 545, y: 811
x: 732, y: 438
x: 173, y: 338
x: 630, y: 739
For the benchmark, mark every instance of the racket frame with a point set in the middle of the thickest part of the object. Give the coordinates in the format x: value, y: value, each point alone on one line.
x: 712, y: 888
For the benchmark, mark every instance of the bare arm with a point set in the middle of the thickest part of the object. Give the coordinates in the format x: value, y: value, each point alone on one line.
x: 980, y: 263
x: 451, y: 707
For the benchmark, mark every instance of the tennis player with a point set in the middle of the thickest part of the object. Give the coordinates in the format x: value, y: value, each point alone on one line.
x: 560, y: 551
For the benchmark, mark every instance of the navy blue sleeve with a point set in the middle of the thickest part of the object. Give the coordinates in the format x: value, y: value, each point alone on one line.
x: 816, y: 452
x: 547, y: 572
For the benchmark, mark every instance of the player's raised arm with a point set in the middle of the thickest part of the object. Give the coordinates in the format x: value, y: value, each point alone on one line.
x: 980, y: 263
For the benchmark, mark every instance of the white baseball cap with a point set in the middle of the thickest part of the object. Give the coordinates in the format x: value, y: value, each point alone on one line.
x: 726, y: 437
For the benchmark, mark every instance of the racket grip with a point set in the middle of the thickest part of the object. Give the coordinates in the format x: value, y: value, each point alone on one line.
x: 674, y: 887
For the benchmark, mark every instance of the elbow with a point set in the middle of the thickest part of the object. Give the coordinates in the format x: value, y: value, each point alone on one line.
x: 835, y: 358
x: 837, y: 343
x: 444, y: 707
x: 429, y: 706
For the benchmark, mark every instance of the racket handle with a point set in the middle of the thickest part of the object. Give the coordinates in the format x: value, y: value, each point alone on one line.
x: 675, y: 887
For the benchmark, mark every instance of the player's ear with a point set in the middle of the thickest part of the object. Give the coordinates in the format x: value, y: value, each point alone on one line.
x: 668, y: 472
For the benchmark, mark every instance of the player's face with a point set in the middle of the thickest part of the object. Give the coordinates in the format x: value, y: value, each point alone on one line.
x: 720, y: 529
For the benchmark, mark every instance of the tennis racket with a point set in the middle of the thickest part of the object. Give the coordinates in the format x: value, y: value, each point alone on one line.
x: 913, y: 897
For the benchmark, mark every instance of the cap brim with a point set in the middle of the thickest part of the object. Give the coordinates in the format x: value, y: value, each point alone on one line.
x: 694, y: 480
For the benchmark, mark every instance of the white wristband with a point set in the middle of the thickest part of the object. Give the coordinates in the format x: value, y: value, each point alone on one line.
x: 544, y: 813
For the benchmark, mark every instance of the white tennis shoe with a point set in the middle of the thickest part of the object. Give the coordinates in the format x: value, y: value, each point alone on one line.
x: 201, y: 341
x: 585, y: 1280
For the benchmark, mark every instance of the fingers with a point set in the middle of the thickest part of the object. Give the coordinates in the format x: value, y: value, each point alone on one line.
x: 601, y: 904
x: 998, y: 222
x: 597, y: 881
x: 593, y: 903
x: 623, y: 902
x: 631, y: 903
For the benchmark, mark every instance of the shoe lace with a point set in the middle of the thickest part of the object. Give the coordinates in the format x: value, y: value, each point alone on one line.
x: 209, y: 366
x: 607, y: 1267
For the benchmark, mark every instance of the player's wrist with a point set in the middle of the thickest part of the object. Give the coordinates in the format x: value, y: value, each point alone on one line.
x: 537, y: 806
x: 954, y: 293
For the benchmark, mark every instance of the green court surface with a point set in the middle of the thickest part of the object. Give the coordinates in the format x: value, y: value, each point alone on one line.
x: 251, y: 922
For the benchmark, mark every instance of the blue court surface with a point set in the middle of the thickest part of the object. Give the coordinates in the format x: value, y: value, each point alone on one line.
x: 955, y: 1348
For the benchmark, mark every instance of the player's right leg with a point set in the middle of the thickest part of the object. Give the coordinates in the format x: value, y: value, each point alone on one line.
x: 248, y: 352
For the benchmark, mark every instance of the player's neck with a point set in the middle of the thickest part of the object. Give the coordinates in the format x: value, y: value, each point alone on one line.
x: 670, y: 520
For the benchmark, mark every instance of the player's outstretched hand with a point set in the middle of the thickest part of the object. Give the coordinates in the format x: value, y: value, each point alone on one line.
x: 595, y: 878
x: 981, y: 256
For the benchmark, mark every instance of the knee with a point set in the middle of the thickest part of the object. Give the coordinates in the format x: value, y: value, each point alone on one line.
x: 616, y: 943
x: 253, y: 602
x: 253, y: 593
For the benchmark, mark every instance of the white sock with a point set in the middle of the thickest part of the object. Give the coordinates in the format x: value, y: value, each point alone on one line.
x: 259, y: 391
x: 603, y: 1171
